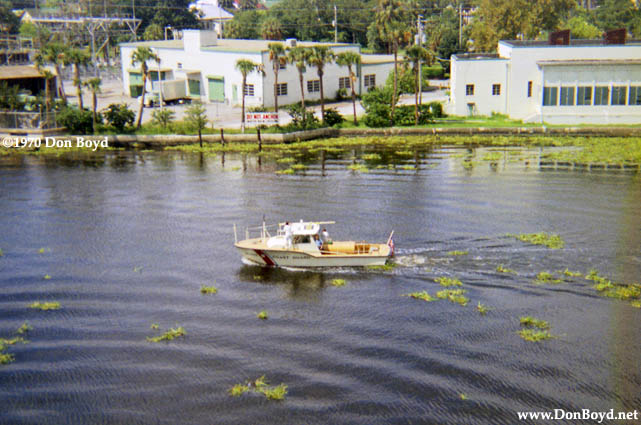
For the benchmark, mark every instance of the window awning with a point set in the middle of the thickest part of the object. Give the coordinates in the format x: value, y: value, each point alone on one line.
x: 588, y: 62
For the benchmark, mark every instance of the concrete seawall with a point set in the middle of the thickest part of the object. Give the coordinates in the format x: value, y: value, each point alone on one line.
x: 276, y: 138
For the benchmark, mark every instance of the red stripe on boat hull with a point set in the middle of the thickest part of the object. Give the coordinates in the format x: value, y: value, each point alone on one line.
x: 265, y: 257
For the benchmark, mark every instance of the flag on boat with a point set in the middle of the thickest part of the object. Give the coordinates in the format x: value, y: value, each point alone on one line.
x: 391, y: 247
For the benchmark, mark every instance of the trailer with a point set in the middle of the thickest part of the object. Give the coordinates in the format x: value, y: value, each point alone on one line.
x: 173, y: 91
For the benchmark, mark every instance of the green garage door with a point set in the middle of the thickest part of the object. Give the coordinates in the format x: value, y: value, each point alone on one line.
x: 194, y: 88
x: 135, y: 84
x: 216, y: 89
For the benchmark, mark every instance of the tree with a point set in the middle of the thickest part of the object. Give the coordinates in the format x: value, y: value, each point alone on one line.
x: 54, y: 53
x: 614, y: 14
x: 298, y: 56
x: 277, y: 56
x: 93, y: 84
x: 416, y: 54
x: 9, y: 22
x: 153, y: 32
x: 142, y: 55
x: 511, y: 19
x: 319, y: 57
x: 271, y: 29
x: 580, y: 28
x: 48, y: 77
x: 119, y: 115
x: 390, y: 20
x: 248, y: 4
x: 350, y: 59
x: 78, y: 58
x: 245, y: 67
x: 163, y: 117
x: 245, y: 25
x: 196, y: 116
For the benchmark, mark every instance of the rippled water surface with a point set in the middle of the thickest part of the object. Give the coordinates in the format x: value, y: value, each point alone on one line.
x: 129, y: 239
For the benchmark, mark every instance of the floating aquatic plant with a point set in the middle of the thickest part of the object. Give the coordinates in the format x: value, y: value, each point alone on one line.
x: 492, y: 156
x: 534, y: 335
x: 41, y: 251
x: 53, y: 305
x: 235, y: 168
x: 238, y: 390
x: 423, y: 295
x: 408, y: 167
x: 299, y: 167
x: 24, y: 328
x: 502, y: 269
x: 535, y: 329
x: 453, y: 295
x: 262, y: 315
x: 287, y: 171
x: 358, y: 167
x: 154, y: 326
x: 545, y: 277
x: 532, y: 322
x: 372, y: 157
x: 6, y: 358
x: 286, y: 160
x: 170, y: 335
x: 258, y: 277
x: 46, y: 277
x: 552, y: 241
x: 338, y: 282
x: 463, y: 396
x: 208, y: 289
x: 482, y: 309
x: 261, y: 386
x: 455, y: 253
x: 5, y: 342
x: 137, y: 269
x: 570, y: 273
x: 446, y: 281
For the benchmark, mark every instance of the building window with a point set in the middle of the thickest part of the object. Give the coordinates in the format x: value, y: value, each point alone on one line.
x: 469, y: 90
x: 179, y: 65
x: 370, y: 81
x: 313, y: 86
x: 567, y: 96
x: 281, y: 89
x: 343, y: 83
x: 584, y: 96
x: 249, y: 90
x: 635, y: 95
x: 529, y: 89
x: 550, y: 96
x: 496, y: 89
x: 618, y: 95
x: 601, y: 95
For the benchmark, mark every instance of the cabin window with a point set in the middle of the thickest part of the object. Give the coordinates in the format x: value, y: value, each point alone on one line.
x: 550, y: 95
x: 249, y: 90
x: 601, y: 95
x: 370, y: 81
x: 301, y: 239
x: 584, y: 96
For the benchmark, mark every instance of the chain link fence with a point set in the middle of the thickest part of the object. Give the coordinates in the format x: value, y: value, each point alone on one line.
x: 13, y: 120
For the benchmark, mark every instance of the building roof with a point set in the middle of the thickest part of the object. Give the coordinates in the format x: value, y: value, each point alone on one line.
x: 19, y: 71
x: 589, y: 62
x: 478, y: 56
x: 573, y: 43
x: 229, y: 45
x: 211, y: 10
x: 376, y: 59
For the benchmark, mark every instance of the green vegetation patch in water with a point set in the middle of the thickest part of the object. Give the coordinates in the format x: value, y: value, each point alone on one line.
x: 24, y: 328
x: 446, y: 281
x: 501, y: 269
x: 53, y: 305
x: 260, y: 386
x: 456, y: 253
x: 358, y: 167
x: 423, y: 295
x: 170, y: 335
x: 385, y: 267
x: 534, y: 335
x: 532, y: 322
x: 338, y: 282
x: 552, y: 241
x: 262, y: 315
x: 287, y: 171
x: 453, y: 295
x: 570, y: 273
x: 372, y: 157
x: 482, y: 309
x: 208, y: 290
x: 545, y: 277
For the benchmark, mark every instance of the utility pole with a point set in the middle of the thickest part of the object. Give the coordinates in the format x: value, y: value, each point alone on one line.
x: 460, y: 25
x: 419, y: 42
x: 335, y: 25
x: 133, y: 11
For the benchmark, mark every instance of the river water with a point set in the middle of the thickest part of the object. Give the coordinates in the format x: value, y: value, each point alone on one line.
x: 128, y: 239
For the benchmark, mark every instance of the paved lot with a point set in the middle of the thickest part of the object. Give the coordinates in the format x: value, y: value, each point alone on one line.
x: 222, y: 115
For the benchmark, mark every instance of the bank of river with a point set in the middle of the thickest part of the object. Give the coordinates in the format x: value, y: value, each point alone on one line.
x: 125, y: 240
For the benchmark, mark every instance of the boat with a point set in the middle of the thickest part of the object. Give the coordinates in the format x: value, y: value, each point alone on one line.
x: 295, y: 245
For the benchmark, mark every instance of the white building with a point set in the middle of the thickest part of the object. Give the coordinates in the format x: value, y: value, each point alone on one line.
x: 206, y: 67
x: 581, y: 81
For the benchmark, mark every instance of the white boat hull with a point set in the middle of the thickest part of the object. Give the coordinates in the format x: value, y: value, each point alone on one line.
x: 288, y: 258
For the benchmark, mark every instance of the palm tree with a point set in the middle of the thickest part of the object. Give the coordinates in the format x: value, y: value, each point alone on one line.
x: 55, y: 53
x: 142, y: 55
x: 271, y: 29
x: 319, y: 57
x: 245, y: 67
x: 78, y: 57
x: 277, y: 56
x: 416, y: 54
x: 350, y: 59
x: 299, y: 56
x: 93, y: 85
x: 48, y: 75
x: 390, y: 16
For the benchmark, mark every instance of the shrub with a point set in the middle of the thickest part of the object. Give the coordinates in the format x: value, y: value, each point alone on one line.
x: 119, y: 115
x: 332, y: 117
x: 377, y: 103
x: 75, y: 120
x: 163, y: 117
x: 341, y: 94
x: 301, y: 119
